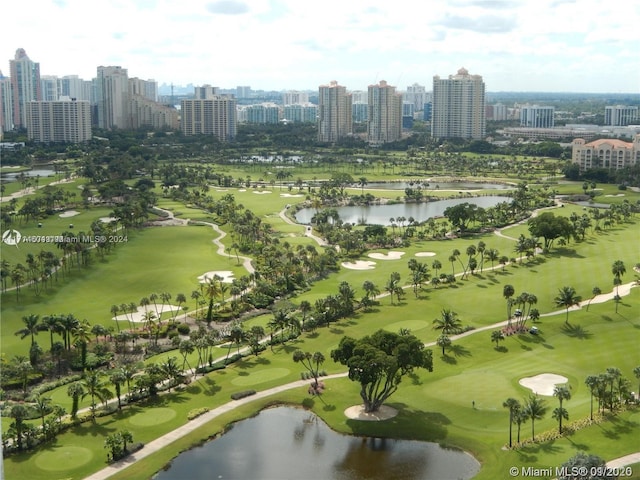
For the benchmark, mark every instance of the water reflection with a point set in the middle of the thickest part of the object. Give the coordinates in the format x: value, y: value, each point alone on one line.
x: 285, y: 442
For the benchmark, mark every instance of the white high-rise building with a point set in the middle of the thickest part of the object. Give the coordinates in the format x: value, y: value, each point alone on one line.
x: 417, y: 95
x: 294, y: 97
x: 262, y: 113
x: 458, y: 109
x: 6, y: 104
x: 144, y: 88
x: 25, y: 81
x: 306, y: 113
x: 50, y: 88
x: 63, y: 120
x: 215, y: 116
x: 384, y: 114
x: 112, y: 96
x: 536, y: 116
x: 205, y: 92
x: 620, y: 115
x: 334, y: 113
x: 74, y: 87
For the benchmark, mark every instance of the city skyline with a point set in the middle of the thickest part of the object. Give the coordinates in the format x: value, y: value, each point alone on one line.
x: 542, y: 46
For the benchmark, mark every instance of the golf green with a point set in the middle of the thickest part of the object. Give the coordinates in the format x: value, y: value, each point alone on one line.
x: 261, y: 376
x: 64, y: 458
x: 411, y: 325
x: 152, y: 416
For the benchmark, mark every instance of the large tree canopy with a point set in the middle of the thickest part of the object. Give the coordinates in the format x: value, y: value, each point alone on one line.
x: 379, y: 361
x: 550, y: 227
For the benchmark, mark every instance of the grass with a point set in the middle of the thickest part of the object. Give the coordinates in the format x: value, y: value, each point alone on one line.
x: 434, y: 406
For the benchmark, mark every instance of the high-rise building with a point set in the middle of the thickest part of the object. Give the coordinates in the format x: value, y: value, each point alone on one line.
x: 458, y: 109
x: 243, y: 91
x: 6, y: 104
x: 359, y: 112
x: 216, y: 116
x: 384, y: 114
x: 535, y: 116
x: 262, y: 113
x: 144, y: 88
x: 50, y: 88
x: 205, y: 92
x: 496, y: 112
x: 73, y: 87
x: 334, y: 113
x: 609, y: 153
x: 306, y: 113
x: 294, y: 97
x: 417, y: 95
x: 25, y: 81
x: 147, y: 113
x: 620, y: 115
x: 112, y: 97
x: 63, y: 120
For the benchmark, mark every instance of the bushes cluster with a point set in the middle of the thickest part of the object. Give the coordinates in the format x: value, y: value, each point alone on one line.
x: 243, y: 394
x: 196, y: 412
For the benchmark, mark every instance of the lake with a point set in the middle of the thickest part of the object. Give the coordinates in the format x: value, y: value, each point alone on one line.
x: 380, y: 214
x: 291, y: 443
x: 434, y: 185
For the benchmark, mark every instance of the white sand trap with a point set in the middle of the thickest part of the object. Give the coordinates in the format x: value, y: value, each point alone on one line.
x: 543, y: 384
x: 222, y: 189
x: 226, y: 275
x: 387, y: 256
x: 425, y: 254
x: 359, y: 265
x: 623, y: 290
x: 262, y: 192
x: 108, y: 219
x: 357, y: 413
x: 69, y: 213
x: 616, y: 195
x: 242, y: 190
x: 290, y: 195
x: 138, y: 316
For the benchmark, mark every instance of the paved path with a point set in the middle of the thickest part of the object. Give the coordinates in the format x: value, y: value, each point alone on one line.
x: 308, y: 231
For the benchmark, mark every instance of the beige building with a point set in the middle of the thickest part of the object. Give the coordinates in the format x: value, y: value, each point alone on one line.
x: 458, y: 106
x: 147, y: 113
x: 112, y: 96
x: 607, y: 153
x: 334, y: 113
x: 215, y: 116
x: 64, y: 120
x: 384, y: 114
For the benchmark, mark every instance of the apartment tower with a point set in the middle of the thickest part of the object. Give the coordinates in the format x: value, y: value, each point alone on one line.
x: 334, y: 113
x: 458, y: 109
x: 25, y: 81
x: 384, y: 114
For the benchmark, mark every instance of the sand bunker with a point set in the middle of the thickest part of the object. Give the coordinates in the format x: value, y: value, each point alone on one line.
x: 138, y: 315
x: 289, y: 195
x: 357, y: 413
x: 425, y: 254
x: 359, y: 265
x: 543, y: 384
x: 226, y: 275
x: 262, y: 192
x: 387, y: 256
x: 616, y: 195
x: 242, y: 190
x: 69, y: 213
x: 108, y: 219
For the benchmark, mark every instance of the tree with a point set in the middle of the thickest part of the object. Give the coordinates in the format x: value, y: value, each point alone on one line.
x: 592, y: 382
x: 550, y: 227
x: 497, y: 336
x: 507, y: 292
x: 42, y: 405
x: 514, y: 406
x: 95, y: 387
x: 536, y: 409
x: 582, y: 462
x: 567, y: 298
x: 75, y: 391
x: 618, y: 269
x: 636, y: 373
x: 311, y: 362
x: 444, y: 342
x: 31, y: 327
x: 379, y: 361
x: 596, y: 291
x: 19, y: 413
x: 562, y: 393
x: 448, y: 322
x: 117, y: 379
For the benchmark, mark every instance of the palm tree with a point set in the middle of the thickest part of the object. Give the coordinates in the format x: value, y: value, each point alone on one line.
x: 311, y: 362
x: 567, y: 298
x: 114, y: 311
x: 117, y: 379
x: 636, y: 373
x: 536, y: 409
x: 514, y: 406
x: 444, y: 342
x: 51, y: 323
x: 507, y: 292
x: 171, y: 370
x: 592, y: 382
x: 448, y: 322
x: 180, y: 299
x: 562, y: 393
x: 497, y: 336
x: 519, y: 417
x: 95, y: 387
x: 42, y: 406
x: 19, y: 413
x: 31, y: 327
x: 81, y: 334
x: 618, y: 269
x: 75, y: 391
x: 596, y: 291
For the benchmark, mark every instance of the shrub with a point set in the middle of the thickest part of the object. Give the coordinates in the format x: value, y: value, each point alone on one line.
x: 184, y: 329
x: 196, y: 412
x: 243, y: 394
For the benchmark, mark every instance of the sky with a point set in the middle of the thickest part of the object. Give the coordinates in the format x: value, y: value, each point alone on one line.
x: 516, y: 45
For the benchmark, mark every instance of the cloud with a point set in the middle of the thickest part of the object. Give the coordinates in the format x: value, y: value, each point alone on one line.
x: 228, y: 7
x: 489, y: 4
x: 481, y: 24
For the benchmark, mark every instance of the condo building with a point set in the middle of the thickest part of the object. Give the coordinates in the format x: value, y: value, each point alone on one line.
x: 620, y: 115
x: 6, y: 104
x: 458, y: 106
x: 609, y: 153
x: 113, y: 99
x: 25, y: 81
x: 63, y: 120
x: 215, y: 116
x: 384, y: 122
x: 334, y: 113
x: 536, y: 116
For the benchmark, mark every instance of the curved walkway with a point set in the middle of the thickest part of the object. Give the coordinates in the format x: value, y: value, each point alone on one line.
x: 308, y: 231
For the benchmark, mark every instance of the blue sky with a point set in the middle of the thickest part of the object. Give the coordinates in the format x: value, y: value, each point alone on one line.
x: 516, y: 45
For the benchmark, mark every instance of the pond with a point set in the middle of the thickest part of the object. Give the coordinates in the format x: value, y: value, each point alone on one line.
x: 287, y: 442
x: 13, y: 176
x: 381, y: 214
x: 434, y: 185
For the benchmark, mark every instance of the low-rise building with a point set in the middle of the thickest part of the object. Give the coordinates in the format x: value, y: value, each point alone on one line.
x: 610, y: 153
